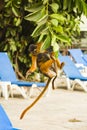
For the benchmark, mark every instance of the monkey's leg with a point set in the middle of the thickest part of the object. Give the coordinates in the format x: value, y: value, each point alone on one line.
x: 45, y: 68
x: 30, y: 106
x: 57, y: 65
x: 55, y: 69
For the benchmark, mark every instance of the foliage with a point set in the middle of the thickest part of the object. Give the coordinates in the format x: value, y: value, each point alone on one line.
x: 52, y: 22
x: 57, y: 21
x: 15, y: 33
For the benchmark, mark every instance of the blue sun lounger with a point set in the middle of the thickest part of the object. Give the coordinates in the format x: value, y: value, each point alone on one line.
x: 8, y: 76
x: 73, y: 73
x: 78, y: 56
x: 85, y: 57
x: 5, y: 123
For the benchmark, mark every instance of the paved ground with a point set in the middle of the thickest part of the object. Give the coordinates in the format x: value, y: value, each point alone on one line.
x: 62, y: 110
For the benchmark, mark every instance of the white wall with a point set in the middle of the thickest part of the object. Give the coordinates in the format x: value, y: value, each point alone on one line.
x: 83, y: 26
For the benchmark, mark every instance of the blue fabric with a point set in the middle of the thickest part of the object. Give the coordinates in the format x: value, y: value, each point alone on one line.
x: 25, y: 83
x: 70, y: 69
x: 6, y: 69
x: 85, y: 57
x: 5, y: 123
x: 7, y: 72
x: 78, y: 55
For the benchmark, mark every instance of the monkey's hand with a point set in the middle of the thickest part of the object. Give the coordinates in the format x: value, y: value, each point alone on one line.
x: 31, y: 70
x: 28, y: 73
x: 33, y: 66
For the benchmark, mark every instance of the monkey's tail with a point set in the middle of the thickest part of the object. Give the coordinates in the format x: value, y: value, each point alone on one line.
x: 53, y: 82
x: 32, y: 104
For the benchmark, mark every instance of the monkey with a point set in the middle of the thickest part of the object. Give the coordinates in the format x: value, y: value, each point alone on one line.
x: 47, y: 64
x: 43, y: 60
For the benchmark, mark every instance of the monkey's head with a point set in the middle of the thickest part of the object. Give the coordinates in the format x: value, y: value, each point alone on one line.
x: 33, y: 49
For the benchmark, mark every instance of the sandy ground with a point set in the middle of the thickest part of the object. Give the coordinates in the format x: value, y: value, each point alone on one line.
x: 61, y: 110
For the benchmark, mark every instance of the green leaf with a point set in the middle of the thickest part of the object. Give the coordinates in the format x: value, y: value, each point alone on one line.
x: 63, y: 38
x: 34, y: 16
x: 54, y: 22
x: 17, y: 2
x: 53, y: 39
x: 54, y: 7
x: 18, y: 22
x: 55, y: 47
x: 78, y: 5
x: 54, y: 43
x: 12, y: 45
x: 59, y: 17
x: 8, y: 4
x: 41, y: 37
x: 13, y: 32
x: 65, y: 4
x: 6, y: 0
x: 84, y: 7
x: 46, y: 43
x: 43, y: 20
x: 70, y: 5
x: 16, y: 5
x: 45, y: 31
x: 45, y: 2
x: 38, y: 30
x: 35, y: 8
x: 15, y: 11
x: 56, y: 54
x: 58, y: 29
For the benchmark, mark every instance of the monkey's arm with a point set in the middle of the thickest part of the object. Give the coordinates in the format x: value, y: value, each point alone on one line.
x: 33, y: 66
x: 59, y: 65
x: 57, y: 61
x: 34, y: 49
